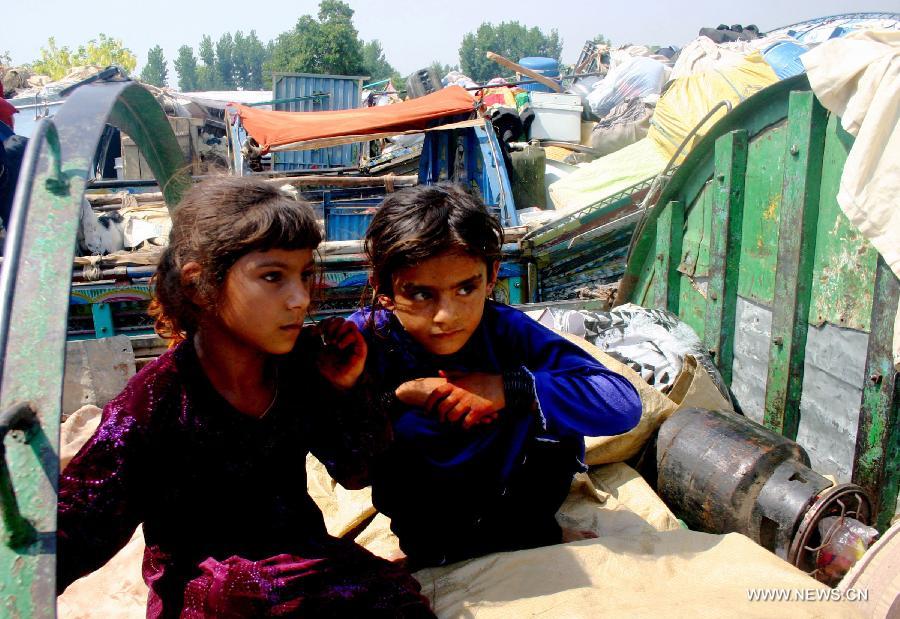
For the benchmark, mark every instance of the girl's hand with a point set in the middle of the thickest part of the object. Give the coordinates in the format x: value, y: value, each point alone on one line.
x: 467, y: 398
x: 342, y: 358
x: 416, y: 392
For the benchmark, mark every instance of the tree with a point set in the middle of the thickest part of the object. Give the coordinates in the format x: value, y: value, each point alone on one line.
x: 186, y: 65
x: 329, y: 44
x: 155, y: 71
x: 58, y: 61
x: 443, y: 69
x: 225, y: 61
x: 376, y: 65
x: 234, y: 61
x: 248, y: 57
x: 208, y: 72
x: 509, y: 39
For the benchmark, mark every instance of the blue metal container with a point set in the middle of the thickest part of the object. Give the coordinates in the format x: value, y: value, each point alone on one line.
x: 471, y: 157
x: 307, y: 92
x: 348, y: 220
x: 548, y: 67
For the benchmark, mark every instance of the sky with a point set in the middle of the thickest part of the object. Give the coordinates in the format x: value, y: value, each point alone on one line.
x: 413, y: 33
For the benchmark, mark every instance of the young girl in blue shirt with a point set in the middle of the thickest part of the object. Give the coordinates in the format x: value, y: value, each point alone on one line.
x: 489, y: 408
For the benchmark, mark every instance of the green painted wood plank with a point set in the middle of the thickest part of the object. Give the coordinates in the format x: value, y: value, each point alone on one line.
x: 875, y: 466
x: 762, y: 204
x: 845, y: 260
x: 725, y: 248
x: 694, y: 265
x: 669, y: 231
x: 796, y: 251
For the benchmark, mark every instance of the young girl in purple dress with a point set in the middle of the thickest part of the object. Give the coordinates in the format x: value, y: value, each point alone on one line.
x: 207, y: 445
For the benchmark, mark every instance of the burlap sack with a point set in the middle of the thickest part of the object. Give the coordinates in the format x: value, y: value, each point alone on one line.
x: 692, y: 388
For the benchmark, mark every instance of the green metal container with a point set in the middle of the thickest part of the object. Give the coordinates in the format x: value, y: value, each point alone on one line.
x: 748, y: 245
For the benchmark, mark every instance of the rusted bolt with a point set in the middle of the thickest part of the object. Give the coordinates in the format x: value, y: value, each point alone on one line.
x: 876, y: 378
x: 712, y: 352
x: 721, y: 178
x: 778, y: 340
x: 713, y: 296
x: 795, y: 150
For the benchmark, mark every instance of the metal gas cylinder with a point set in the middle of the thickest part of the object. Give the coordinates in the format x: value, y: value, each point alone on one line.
x: 721, y: 473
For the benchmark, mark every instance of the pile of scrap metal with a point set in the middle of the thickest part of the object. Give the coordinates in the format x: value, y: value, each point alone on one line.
x: 646, y: 114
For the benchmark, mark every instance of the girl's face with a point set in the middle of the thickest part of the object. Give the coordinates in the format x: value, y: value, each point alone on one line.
x: 441, y: 300
x: 265, y: 297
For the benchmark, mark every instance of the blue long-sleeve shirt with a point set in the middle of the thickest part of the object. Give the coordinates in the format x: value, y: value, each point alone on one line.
x: 437, y: 471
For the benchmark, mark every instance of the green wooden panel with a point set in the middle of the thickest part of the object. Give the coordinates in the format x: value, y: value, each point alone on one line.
x: 762, y: 205
x: 876, y: 467
x: 796, y: 251
x: 726, y: 222
x: 694, y: 265
x: 845, y: 260
x: 669, y: 230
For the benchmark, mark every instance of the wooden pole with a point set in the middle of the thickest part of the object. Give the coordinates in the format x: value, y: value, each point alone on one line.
x: 509, y: 64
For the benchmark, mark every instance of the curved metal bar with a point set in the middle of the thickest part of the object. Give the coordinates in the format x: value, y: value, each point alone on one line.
x: 12, y: 249
x: 38, y: 278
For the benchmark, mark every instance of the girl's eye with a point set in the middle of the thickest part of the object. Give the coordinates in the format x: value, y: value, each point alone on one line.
x: 272, y: 276
x: 420, y: 295
x: 466, y: 290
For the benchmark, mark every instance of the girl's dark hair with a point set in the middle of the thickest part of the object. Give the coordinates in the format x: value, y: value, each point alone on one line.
x: 421, y: 222
x: 218, y: 221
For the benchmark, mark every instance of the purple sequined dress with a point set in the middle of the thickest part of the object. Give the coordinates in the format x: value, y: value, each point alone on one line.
x: 230, y: 528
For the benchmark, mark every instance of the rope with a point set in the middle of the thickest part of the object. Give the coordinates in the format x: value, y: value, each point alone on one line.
x: 92, y: 272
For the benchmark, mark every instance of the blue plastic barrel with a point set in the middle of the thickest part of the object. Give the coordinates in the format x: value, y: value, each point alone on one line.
x: 548, y: 67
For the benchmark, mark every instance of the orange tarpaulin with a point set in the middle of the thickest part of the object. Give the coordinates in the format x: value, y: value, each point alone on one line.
x: 277, y: 130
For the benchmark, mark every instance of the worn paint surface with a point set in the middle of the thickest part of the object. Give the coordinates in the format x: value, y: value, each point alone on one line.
x: 759, y: 234
x: 832, y: 387
x: 753, y: 331
x: 796, y: 247
x: 694, y: 265
x: 669, y: 231
x: 726, y: 221
x: 839, y: 295
x: 876, y: 467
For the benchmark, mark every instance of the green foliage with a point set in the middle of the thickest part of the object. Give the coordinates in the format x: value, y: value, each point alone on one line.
x: 254, y: 56
x: 155, y: 72
x: 328, y: 45
x: 509, y: 39
x: 443, y: 69
x: 225, y: 62
x: 600, y: 40
x: 186, y: 65
x: 234, y: 61
x: 101, y: 52
x: 208, y: 72
x: 377, y: 66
